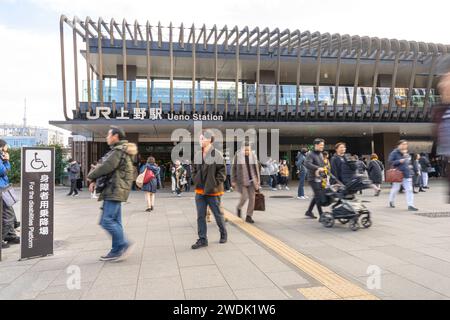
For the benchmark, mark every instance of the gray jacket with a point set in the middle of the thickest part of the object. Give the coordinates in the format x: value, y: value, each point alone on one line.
x: 74, y: 171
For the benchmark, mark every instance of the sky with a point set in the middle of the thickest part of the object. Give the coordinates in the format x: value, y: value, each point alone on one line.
x: 30, y: 50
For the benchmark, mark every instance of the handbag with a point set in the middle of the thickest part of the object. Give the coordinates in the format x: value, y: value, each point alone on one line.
x: 394, y: 175
x: 9, y: 196
x: 140, y: 179
x: 148, y: 176
x: 260, y: 202
x: 102, y: 182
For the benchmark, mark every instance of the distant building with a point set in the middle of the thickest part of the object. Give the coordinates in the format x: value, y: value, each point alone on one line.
x: 18, y: 136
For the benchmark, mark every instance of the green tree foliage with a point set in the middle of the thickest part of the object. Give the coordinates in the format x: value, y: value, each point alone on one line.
x: 15, y: 157
x: 14, y: 160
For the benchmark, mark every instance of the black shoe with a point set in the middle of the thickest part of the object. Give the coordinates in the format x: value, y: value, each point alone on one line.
x: 391, y: 204
x: 249, y: 219
x: 151, y: 208
x: 5, y: 245
x: 110, y: 257
x: 426, y: 187
x: 16, y: 224
x: 422, y: 190
x: 69, y: 194
x: 12, y: 240
x: 310, y: 215
x: 239, y: 213
x: 223, y: 239
x: 411, y: 208
x: 415, y: 192
x: 148, y: 209
x: 199, y: 244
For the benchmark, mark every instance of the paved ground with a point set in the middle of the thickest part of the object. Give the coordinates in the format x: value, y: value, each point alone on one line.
x: 412, y: 252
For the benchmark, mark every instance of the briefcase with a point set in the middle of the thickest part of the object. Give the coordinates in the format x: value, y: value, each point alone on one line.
x: 394, y: 175
x: 260, y: 202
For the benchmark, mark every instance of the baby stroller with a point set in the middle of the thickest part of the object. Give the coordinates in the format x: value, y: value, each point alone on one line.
x: 344, y: 206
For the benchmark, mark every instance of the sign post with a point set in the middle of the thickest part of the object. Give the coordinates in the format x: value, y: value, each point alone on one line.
x: 38, y: 189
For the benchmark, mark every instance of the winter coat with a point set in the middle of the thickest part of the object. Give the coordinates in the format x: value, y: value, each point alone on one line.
x: 424, y: 164
x: 375, y: 170
x: 239, y: 173
x: 209, y: 178
x: 284, y: 170
x: 74, y: 171
x: 343, y: 168
x: 314, y: 161
x: 152, y: 185
x: 300, y: 163
x: 118, y: 163
x: 394, y: 161
x: 5, y: 167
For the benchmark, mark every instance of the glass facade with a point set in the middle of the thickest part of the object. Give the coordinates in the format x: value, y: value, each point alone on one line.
x: 226, y: 92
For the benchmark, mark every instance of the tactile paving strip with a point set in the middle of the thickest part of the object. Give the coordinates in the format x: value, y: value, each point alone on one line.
x: 339, y: 287
x: 318, y: 293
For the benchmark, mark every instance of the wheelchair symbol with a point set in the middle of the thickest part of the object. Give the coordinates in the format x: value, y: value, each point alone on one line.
x: 37, y: 163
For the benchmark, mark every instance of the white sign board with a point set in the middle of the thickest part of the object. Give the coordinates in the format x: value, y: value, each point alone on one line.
x: 38, y: 160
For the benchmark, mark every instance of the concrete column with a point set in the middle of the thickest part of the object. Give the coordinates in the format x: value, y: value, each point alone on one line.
x: 384, y: 143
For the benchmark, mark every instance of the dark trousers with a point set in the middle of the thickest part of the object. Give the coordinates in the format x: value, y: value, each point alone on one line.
x: 73, y: 187
x: 202, y: 202
x: 8, y: 218
x: 274, y: 180
x: 187, y: 186
x: 227, y: 183
x: 315, y: 201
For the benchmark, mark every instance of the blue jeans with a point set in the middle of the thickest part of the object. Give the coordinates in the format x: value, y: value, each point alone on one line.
x: 202, y: 202
x: 301, y: 184
x: 111, y: 221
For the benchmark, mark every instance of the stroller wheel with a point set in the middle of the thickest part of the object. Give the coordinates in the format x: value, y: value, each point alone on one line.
x: 343, y: 221
x: 366, y: 222
x: 327, y: 220
x: 354, y: 225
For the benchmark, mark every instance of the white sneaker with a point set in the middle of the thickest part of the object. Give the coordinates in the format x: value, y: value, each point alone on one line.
x: 274, y: 189
x: 306, y: 197
x: 179, y: 195
x: 287, y: 188
x: 301, y: 198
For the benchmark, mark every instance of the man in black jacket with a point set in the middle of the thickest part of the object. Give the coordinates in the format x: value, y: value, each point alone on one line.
x: 209, y: 175
x: 316, y: 167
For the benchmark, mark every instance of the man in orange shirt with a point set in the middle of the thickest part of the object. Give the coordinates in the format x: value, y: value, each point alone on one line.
x: 209, y: 175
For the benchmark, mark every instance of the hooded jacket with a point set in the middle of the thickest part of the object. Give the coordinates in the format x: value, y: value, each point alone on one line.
x: 118, y: 163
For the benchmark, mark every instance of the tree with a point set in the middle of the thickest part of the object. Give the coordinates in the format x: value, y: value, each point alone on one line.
x: 15, y: 160
x: 60, y: 163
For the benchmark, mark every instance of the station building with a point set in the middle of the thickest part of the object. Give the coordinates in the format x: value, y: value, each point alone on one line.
x: 366, y: 91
